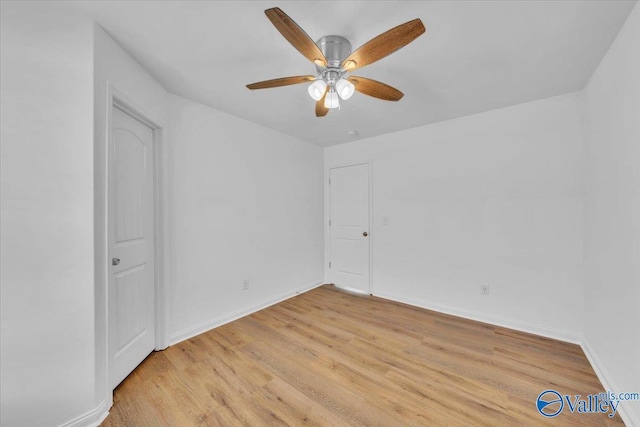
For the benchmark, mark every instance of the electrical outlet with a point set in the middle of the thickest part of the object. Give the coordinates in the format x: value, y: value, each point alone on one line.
x: 245, y: 284
x: 485, y: 290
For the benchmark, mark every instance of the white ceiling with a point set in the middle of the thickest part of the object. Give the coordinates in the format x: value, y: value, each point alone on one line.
x: 475, y: 56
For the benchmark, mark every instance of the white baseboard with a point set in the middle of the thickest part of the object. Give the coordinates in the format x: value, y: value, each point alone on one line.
x: 532, y: 328
x: 630, y: 419
x: 92, y: 418
x: 214, y: 323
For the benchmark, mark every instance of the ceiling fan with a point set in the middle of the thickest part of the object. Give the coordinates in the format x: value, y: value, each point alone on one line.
x: 333, y: 59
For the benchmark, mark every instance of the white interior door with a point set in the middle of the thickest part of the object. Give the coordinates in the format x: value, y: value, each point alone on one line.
x: 349, y: 227
x: 131, y: 245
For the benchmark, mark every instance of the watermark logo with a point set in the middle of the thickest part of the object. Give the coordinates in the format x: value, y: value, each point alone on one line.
x: 550, y: 403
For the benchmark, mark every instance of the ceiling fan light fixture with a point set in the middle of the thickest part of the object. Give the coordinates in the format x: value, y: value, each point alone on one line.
x: 331, y: 101
x: 349, y: 65
x: 333, y: 58
x: 317, y: 89
x: 345, y: 88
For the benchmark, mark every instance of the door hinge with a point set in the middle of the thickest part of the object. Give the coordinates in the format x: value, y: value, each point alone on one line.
x: 329, y: 264
x: 329, y: 223
x: 329, y: 181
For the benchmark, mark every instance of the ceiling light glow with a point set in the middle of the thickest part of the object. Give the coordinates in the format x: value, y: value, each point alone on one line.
x: 317, y: 89
x: 331, y: 101
x: 345, y: 88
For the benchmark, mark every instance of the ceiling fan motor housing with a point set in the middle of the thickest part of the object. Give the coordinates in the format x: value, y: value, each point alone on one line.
x: 335, y: 49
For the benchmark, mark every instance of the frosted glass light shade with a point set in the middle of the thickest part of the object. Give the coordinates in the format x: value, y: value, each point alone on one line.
x: 331, y: 100
x: 345, y: 88
x: 316, y: 89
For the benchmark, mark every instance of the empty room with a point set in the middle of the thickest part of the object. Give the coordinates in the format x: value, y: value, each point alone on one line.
x: 320, y: 213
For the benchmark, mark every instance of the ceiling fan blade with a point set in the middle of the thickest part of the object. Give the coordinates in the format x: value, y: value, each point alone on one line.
x: 321, y: 110
x: 375, y: 88
x: 282, y: 81
x: 384, y: 44
x: 296, y: 36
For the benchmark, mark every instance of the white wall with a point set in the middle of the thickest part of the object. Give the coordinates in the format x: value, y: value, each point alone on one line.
x: 114, y: 67
x: 491, y: 198
x: 47, y: 271
x: 612, y: 221
x: 246, y: 204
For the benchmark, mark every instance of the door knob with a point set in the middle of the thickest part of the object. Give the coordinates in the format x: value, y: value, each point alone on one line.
x: 365, y: 234
x: 115, y: 261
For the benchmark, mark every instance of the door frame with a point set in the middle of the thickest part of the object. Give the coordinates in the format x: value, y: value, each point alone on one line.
x: 328, y: 201
x: 117, y: 99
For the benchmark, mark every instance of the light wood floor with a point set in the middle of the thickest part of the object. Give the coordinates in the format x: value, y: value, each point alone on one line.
x: 330, y: 358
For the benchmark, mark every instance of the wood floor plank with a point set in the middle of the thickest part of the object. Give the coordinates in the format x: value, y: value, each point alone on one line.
x: 332, y: 358
x: 293, y: 407
x: 337, y: 398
